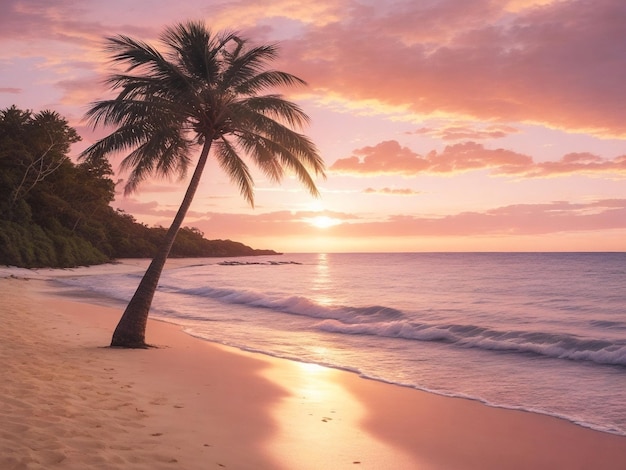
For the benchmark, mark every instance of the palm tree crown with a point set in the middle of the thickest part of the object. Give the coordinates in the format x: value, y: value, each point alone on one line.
x: 202, y: 92
x: 204, y: 88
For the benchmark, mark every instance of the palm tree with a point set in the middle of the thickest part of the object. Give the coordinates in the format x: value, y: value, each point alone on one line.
x: 203, y: 92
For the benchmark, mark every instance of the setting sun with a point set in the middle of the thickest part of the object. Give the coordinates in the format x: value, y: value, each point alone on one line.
x: 323, y: 221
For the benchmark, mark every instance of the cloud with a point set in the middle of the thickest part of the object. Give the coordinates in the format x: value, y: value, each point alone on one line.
x: 153, y: 209
x: 81, y: 91
x: 236, y: 226
x: 64, y: 21
x: 560, y: 64
x: 574, y: 163
x: 522, y: 219
x: 385, y: 158
x: 245, y: 13
x: 390, y: 158
x: 392, y: 191
x: 513, y: 220
x: 14, y: 91
x: 467, y: 132
x: 519, y: 5
x: 39, y: 18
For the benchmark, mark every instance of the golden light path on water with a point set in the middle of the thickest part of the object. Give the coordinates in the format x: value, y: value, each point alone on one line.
x: 322, y: 282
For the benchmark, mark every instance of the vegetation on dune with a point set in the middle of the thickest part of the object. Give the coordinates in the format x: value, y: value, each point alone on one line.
x: 55, y: 213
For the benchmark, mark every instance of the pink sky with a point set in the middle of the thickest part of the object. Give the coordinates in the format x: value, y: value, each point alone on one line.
x: 446, y: 125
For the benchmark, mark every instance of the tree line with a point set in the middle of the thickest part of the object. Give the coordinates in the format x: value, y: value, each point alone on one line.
x: 57, y: 213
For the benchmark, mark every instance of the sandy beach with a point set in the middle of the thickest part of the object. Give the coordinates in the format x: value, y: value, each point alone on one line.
x: 67, y: 401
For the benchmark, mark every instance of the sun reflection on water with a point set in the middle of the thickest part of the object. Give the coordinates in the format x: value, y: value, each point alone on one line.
x: 322, y: 283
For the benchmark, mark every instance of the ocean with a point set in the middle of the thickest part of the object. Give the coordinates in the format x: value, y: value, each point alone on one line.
x: 543, y: 332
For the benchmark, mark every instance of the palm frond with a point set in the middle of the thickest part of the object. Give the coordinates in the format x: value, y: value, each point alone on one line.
x: 267, y: 79
x: 241, y: 64
x: 196, y: 49
x: 159, y: 157
x: 133, y: 111
x: 296, y: 144
x: 122, y: 139
x: 261, y: 153
x: 259, y: 147
x: 155, y: 75
x: 274, y: 107
x: 133, y: 53
x: 235, y: 168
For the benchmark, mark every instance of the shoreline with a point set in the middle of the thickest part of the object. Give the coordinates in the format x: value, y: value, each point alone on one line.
x: 363, y: 376
x: 191, y: 403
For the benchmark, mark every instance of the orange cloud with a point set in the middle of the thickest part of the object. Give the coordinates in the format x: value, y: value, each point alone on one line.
x: 390, y: 158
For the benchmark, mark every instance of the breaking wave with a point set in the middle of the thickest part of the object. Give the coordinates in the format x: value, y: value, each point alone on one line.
x: 377, y: 320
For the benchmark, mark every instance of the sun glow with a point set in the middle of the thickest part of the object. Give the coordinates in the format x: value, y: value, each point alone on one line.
x: 322, y: 221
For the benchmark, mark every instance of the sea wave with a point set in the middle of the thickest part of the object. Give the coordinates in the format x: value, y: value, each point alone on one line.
x: 377, y: 320
x: 561, y: 346
x: 296, y: 305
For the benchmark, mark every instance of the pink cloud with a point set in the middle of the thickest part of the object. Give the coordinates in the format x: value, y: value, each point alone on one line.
x: 11, y: 90
x: 392, y: 191
x: 561, y: 64
x: 390, y: 158
x: 82, y: 91
x: 573, y: 163
x: 234, y: 226
x: 152, y: 209
x: 386, y: 157
x: 62, y: 20
x: 467, y: 132
x: 521, y: 219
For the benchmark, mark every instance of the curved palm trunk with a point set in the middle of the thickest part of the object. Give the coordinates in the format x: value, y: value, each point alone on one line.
x: 131, y: 329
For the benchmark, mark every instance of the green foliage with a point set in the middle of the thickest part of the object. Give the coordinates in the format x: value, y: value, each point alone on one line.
x: 54, y: 213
